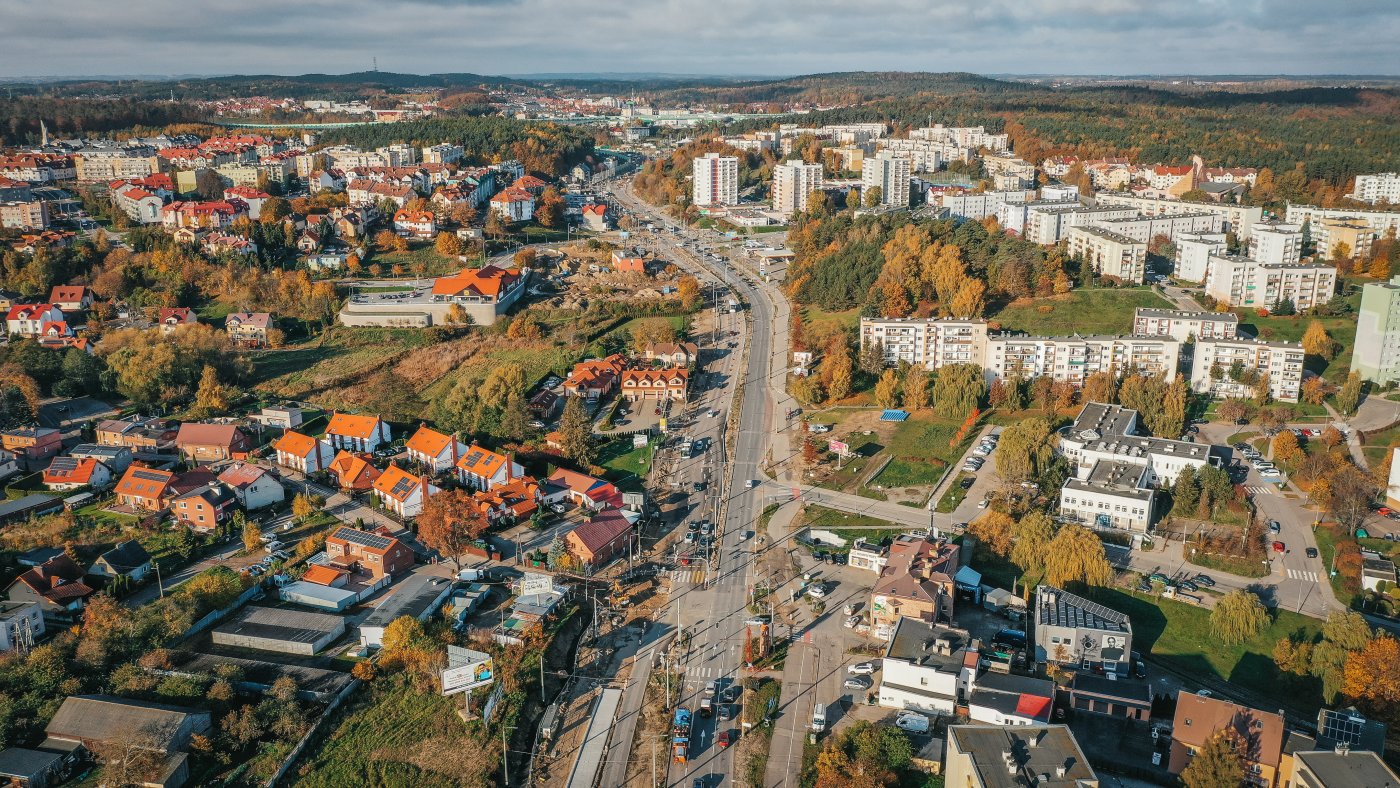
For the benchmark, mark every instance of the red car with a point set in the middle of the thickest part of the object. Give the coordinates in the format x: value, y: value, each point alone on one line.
x: 1278, y: 547
x: 724, y: 738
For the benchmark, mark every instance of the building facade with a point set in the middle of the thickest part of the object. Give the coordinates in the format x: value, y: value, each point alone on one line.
x: 793, y: 183
x: 715, y: 180
x: 1235, y: 280
x: 1184, y: 326
x: 889, y: 172
x: 928, y: 342
x: 1234, y: 367
x: 1111, y: 254
x: 1376, y: 356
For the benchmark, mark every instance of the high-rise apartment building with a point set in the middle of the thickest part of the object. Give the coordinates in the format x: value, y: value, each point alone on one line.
x: 715, y: 180
x: 1244, y: 281
x: 1377, y: 354
x: 1378, y: 188
x: 1276, y: 242
x: 793, y: 182
x: 890, y: 174
x: 1193, y: 253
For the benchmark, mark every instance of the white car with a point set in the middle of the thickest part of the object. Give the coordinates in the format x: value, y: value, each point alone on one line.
x: 861, y: 669
x: 982, y: 504
x: 852, y: 621
x: 816, y: 591
x: 911, y: 721
x: 751, y: 483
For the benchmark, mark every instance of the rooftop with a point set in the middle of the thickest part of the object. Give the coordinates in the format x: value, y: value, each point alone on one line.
x: 273, y: 623
x: 1012, y: 756
x: 921, y: 643
x: 1346, y: 769
x: 1181, y: 314
x: 1058, y: 608
x: 414, y: 596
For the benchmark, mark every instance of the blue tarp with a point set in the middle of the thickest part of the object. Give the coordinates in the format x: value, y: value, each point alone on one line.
x: 894, y: 415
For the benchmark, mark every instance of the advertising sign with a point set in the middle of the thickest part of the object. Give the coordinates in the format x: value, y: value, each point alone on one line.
x: 466, y: 669
x: 838, y: 447
x: 536, y: 583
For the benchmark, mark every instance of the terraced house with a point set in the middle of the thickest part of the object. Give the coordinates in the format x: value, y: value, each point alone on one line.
x: 357, y: 433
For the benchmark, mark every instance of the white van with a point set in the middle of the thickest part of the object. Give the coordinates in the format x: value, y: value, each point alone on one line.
x: 819, y: 718
x: 912, y: 721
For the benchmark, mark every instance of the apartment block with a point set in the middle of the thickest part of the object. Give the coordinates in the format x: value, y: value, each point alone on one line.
x: 1013, y: 213
x: 1072, y: 359
x: 1380, y: 221
x: 29, y: 215
x: 1238, y: 219
x: 925, y: 155
x: 1243, y: 281
x: 1170, y: 226
x: 715, y: 180
x: 1050, y: 224
x: 1111, y: 254
x: 1347, y: 236
x: 1376, y: 356
x: 1232, y: 367
x: 114, y: 164
x: 927, y: 342
x: 793, y: 182
x: 1378, y: 188
x: 890, y: 173
x: 963, y: 136
x: 980, y: 206
x: 1184, y: 326
x: 1193, y: 254
x: 1277, y: 242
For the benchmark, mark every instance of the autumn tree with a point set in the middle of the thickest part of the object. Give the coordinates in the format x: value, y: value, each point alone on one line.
x: 1285, y: 446
x: 1317, y: 342
x: 252, y: 537
x: 1076, y: 555
x: 1218, y: 764
x: 839, y: 370
x: 449, y: 522
x: 550, y: 211
x: 994, y: 530
x: 916, y: 388
x: 649, y: 330
x: 304, y: 505
x: 1372, y: 677
x: 1343, y: 633
x: 1238, y: 616
x: 887, y: 389
x: 447, y: 244
x: 1101, y: 387
x: 1350, y: 395
x: 872, y: 196
x: 688, y: 290
x: 576, y: 432
x: 1032, y: 537
x: 212, y: 397
x: 1025, y: 450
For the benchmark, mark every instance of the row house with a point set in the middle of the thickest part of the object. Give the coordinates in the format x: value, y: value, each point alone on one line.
x: 33, y: 447
x: 38, y: 168
x: 29, y: 243
x: 667, y: 384
x: 437, y: 450
x: 137, y: 434
x: 484, y: 469
x: 248, y: 329
x: 403, y: 493
x: 27, y: 320
x: 302, y: 452
x: 203, y: 215
x: 357, y: 433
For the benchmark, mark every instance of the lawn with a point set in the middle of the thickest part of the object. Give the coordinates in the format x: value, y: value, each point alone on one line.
x: 626, y: 466
x: 421, y: 259
x: 906, y: 473
x: 848, y: 526
x: 848, y: 319
x: 954, y: 497
x: 1342, y: 329
x: 1093, y: 311
x: 1376, y: 444
x: 924, y: 440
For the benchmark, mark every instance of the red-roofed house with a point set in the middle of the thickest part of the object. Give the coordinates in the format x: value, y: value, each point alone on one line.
x: 601, y: 538
x: 27, y: 320
x: 490, y: 284
x: 251, y: 196
x: 623, y: 264
x: 595, y: 217
x: 659, y: 383
x: 1175, y: 181
x: 514, y: 205
x: 248, y: 329
x: 439, y: 451
x: 172, y: 317
x: 517, y: 500
x: 326, y: 575
x: 419, y: 224
x: 252, y: 486
x: 203, y: 215
x: 484, y: 469
x: 32, y: 445
x: 144, y: 488
x: 68, y: 473
x: 56, y: 585
x: 71, y: 298
x: 402, y: 492
x: 595, y: 378
x: 353, y: 471
x: 531, y: 184
x: 302, y: 452
x: 586, y: 490
x: 357, y: 433
x: 218, y: 243
x: 374, y: 553
x: 206, y: 443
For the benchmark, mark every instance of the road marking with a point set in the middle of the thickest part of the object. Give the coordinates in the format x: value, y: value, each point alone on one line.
x: 1298, y: 574
x: 1259, y: 489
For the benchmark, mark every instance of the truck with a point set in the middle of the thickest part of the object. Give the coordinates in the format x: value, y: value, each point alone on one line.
x: 818, y: 718
x: 732, y: 305
x: 680, y: 735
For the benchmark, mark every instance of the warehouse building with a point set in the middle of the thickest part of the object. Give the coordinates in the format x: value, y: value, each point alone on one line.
x: 281, y: 630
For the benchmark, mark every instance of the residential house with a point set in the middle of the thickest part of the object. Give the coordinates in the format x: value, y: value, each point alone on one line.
x: 1072, y: 631
x: 206, y: 443
x: 363, y: 191
x: 664, y: 384
x: 353, y: 472
x: 309, y: 241
x: 379, y: 555
x: 21, y: 624
x: 917, y: 582
x: 514, y: 205
x: 402, y: 492
x: 116, y: 458
x: 219, y: 243
x: 439, y: 451
x: 172, y: 317
x: 71, y: 473
x: 1197, y: 719
x: 145, y: 489
x: 32, y: 446
x: 514, y: 501
x: 71, y: 298
x: 254, y: 487
x: 56, y: 586
x: 326, y: 575
x: 1003, y: 756
x: 595, y: 217
x: 484, y: 469
x: 585, y: 490
x: 251, y: 196
x: 484, y: 293
x: 126, y: 559
x: 624, y: 264
x: 1110, y: 697
x: 600, y: 538
x: 205, y: 508
x: 9, y: 464
x: 104, y: 724
x: 138, y: 434
x: 302, y: 452
x: 926, y: 667
x: 28, y: 320
x: 357, y: 433
x: 675, y: 354
x: 595, y: 378
x: 1005, y: 699
x: 417, y: 224
x: 202, y: 215
x: 279, y: 417
x: 249, y: 329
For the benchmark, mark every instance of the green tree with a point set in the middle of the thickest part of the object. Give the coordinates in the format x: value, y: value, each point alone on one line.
x: 1032, y: 538
x: 1344, y: 633
x: 872, y: 357
x: 1238, y: 616
x: 1218, y: 764
x: 1076, y: 555
x: 1186, y: 493
x: 1350, y: 395
x: 887, y: 390
x: 959, y: 389
x: 576, y: 432
x: 1025, y: 450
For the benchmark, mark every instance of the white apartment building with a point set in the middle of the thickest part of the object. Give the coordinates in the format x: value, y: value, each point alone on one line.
x: 963, y: 136
x: 793, y: 182
x: 925, y: 667
x: 1110, y: 253
x: 890, y: 173
x: 980, y: 206
x: 1014, y: 212
x: 445, y: 153
x: 1116, y: 495
x: 1009, y: 172
x: 1243, y: 281
x: 925, y: 155
x: 928, y: 342
x: 1378, y: 188
x: 1193, y: 253
x: 1072, y: 359
x: 1380, y: 221
x: 115, y: 164
x: 1049, y: 224
x: 1376, y: 356
x: 1277, y: 242
x: 715, y: 180
x: 1230, y: 368
x: 1185, y: 326
x: 1238, y: 219
x: 1171, y: 225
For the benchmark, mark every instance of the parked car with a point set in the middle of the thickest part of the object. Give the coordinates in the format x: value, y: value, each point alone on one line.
x: 1275, y: 526
x: 857, y: 683
x: 852, y: 621
x: 911, y: 721
x: 1311, y: 552
x: 1279, y: 547
x: 1204, y: 580
x: 724, y: 738
x: 816, y: 591
x: 861, y: 668
x: 756, y: 621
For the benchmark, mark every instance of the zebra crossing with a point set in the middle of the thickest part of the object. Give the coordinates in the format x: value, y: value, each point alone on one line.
x: 692, y: 576
x: 1299, y: 574
x: 703, y: 672
x: 1260, y: 489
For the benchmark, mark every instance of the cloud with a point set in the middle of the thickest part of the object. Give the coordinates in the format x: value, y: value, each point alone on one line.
x: 77, y: 37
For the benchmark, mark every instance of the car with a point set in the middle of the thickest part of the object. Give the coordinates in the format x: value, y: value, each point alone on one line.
x: 982, y: 504
x: 700, y: 486
x: 1279, y: 547
x: 911, y: 721
x: 1311, y: 552
x: 1157, y: 577
x: 690, y: 537
x: 1189, y: 586
x: 966, y: 483
x: 726, y: 712
x: 1204, y: 580
x: 708, y: 528
x: 693, y: 525
x: 816, y: 591
x: 852, y: 621
x: 698, y: 783
x: 751, y: 483
x: 711, y: 689
x: 756, y: 621
x: 724, y: 738
x: 1144, y: 586
x: 557, y: 508
x: 861, y: 668
x: 857, y: 683
x: 1275, y: 526
x: 713, y: 413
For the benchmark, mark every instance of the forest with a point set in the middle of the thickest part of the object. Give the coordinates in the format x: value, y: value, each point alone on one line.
x: 542, y: 147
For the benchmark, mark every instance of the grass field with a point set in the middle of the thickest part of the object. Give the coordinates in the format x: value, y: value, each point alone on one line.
x: 1094, y: 311
x: 1342, y: 329
x: 1376, y: 444
x: 906, y: 473
x: 421, y: 259
x: 627, y: 466
x: 848, y: 319
x: 840, y: 523
x: 953, y: 497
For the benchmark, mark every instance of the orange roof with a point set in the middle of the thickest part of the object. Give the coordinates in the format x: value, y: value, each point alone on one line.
x: 429, y: 441
x: 414, y: 216
x: 351, y: 465
x: 487, y: 280
x: 64, y: 470
x: 321, y: 574
x: 352, y: 426
x: 144, y: 482
x: 586, y: 372
x: 655, y: 378
x: 67, y: 293
x: 482, y: 462
x: 295, y: 444
x: 398, y: 483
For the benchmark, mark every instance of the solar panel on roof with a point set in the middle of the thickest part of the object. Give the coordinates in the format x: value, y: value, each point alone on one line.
x: 1341, y: 726
x: 402, y: 486
x: 64, y: 464
x: 149, y: 476
x: 363, y: 538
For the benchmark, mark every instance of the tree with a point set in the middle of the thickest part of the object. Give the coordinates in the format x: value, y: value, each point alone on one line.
x: 873, y: 196
x: 887, y: 390
x: 993, y: 529
x: 212, y: 397
x: 1032, y: 536
x: 252, y: 537
x: 1317, y: 342
x: 550, y: 211
x: 969, y: 300
x: 1076, y: 555
x: 1101, y: 387
x: 916, y: 388
x: 839, y: 370
x: 576, y: 432
x: 1351, y: 493
x: 502, y: 383
x: 274, y: 210
x: 1218, y: 764
x: 1238, y: 616
x: 1343, y: 633
x: 1025, y: 450
x: 1372, y: 677
x: 871, y: 358
x: 449, y: 522
x: 303, y: 506
x: 1286, y: 449
x: 958, y: 390
x: 402, y: 634
x: 688, y: 290
x: 1350, y: 395
x: 448, y: 244
x: 648, y: 330
x: 1186, y: 494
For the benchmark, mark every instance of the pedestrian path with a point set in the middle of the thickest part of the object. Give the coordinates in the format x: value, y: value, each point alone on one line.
x: 1299, y: 574
x: 1261, y: 489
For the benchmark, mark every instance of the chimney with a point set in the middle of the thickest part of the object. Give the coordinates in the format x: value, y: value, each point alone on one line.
x: 1033, y: 740
x: 1061, y: 771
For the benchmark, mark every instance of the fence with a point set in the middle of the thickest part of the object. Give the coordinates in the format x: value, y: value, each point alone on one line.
x: 295, y: 754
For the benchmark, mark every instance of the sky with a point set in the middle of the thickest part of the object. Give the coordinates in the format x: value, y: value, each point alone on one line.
x: 721, y: 37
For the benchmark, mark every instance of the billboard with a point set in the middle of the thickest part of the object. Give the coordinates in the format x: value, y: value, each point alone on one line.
x: 466, y: 669
x: 536, y: 583
x: 838, y: 447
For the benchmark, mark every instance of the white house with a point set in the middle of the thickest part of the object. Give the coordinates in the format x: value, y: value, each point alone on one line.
x: 484, y: 469
x: 254, y: 487
x: 357, y: 433
x: 403, y: 493
x: 303, y: 452
x: 926, y: 667
x: 434, y: 449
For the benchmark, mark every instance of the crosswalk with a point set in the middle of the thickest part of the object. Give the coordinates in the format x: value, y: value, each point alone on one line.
x: 1299, y: 574
x: 703, y: 671
x: 694, y: 577
x: 1260, y: 489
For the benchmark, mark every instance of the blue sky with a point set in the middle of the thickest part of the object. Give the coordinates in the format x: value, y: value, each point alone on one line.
x: 82, y: 37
